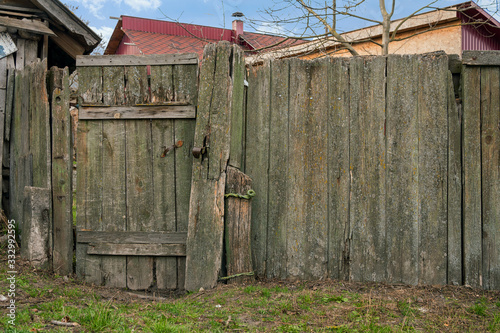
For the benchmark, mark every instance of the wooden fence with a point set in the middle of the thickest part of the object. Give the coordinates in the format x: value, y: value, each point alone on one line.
x: 357, y: 165
x: 365, y: 169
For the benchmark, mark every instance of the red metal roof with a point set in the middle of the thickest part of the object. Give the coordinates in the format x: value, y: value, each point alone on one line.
x: 134, y: 35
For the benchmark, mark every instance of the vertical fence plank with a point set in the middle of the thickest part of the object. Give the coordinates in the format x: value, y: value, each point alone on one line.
x: 140, y: 200
x: 164, y: 196
x: 316, y: 157
x: 237, y: 109
x: 472, y: 228
x: 433, y: 168
x: 454, y: 188
x: 490, y: 147
x: 278, y: 170
x: 338, y: 169
x: 257, y: 160
x: 206, y: 209
x: 297, y: 141
x: 162, y: 90
x: 186, y: 90
x: 402, y: 169
x: 114, y: 208
x: 89, y: 176
x: 367, y: 163
x: 62, y: 173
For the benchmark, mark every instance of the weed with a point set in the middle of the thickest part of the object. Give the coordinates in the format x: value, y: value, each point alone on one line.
x: 336, y: 299
x: 405, y: 309
x: 494, y: 326
x: 250, y: 289
x: 479, y: 308
x: 98, y: 317
x: 266, y: 293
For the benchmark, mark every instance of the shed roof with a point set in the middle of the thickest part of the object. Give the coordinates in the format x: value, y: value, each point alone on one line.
x: 150, y: 36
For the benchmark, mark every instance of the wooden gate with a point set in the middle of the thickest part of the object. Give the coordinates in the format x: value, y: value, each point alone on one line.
x: 134, y: 163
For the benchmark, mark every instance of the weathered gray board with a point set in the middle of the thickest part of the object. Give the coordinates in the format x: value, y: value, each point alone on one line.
x: 357, y: 152
x: 481, y: 165
x: 134, y: 175
x: 213, y: 131
x: 30, y: 157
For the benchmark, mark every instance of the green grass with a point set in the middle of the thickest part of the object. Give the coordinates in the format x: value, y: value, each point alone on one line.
x: 254, y: 308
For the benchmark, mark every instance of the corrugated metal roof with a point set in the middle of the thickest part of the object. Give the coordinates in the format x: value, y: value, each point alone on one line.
x: 175, y: 28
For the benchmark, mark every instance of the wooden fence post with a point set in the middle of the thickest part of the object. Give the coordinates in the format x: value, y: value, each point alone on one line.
x: 62, y: 158
x: 206, y: 209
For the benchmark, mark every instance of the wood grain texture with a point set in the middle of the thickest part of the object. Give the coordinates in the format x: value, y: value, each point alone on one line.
x: 481, y: 58
x: 162, y: 87
x: 367, y: 164
x: 402, y: 169
x: 433, y: 158
x: 114, y: 205
x: 112, y: 249
x: 454, y: 187
x: 490, y: 149
x: 89, y: 175
x: 134, y: 60
x: 62, y: 168
x: 237, y: 108
x: 472, y: 206
x: 206, y: 210
x: 278, y: 170
x: 185, y: 90
x: 257, y: 160
x: 164, y: 196
x: 237, y: 219
x: 339, y: 233
x: 131, y: 237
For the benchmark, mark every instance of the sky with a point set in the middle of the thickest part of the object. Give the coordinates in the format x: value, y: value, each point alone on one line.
x: 217, y: 13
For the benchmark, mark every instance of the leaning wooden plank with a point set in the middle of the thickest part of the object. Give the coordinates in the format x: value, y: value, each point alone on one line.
x: 40, y: 144
x: 402, y: 169
x: 89, y: 175
x: 131, y: 237
x: 206, y: 209
x: 15, y: 201
x: 278, y: 169
x: 367, y: 160
x: 472, y: 213
x: 164, y: 195
x: 338, y: 169
x: 237, y: 108
x: 114, y: 205
x: 490, y: 147
x: 481, y: 58
x: 62, y: 173
x: 237, y: 221
x: 185, y: 90
x: 142, y: 60
x: 257, y: 159
x: 138, y: 112
x: 454, y: 188
x: 112, y: 249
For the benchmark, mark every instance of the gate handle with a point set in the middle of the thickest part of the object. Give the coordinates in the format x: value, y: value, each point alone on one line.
x: 198, y: 152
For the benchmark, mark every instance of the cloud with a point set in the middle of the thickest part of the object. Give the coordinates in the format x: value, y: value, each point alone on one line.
x: 105, y: 32
x: 143, y: 4
x: 271, y: 28
x: 94, y: 6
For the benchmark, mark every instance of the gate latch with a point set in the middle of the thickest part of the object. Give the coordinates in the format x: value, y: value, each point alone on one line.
x: 178, y: 144
x: 199, y: 152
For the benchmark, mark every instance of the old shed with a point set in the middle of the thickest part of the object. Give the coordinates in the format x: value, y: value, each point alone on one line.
x: 33, y: 31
